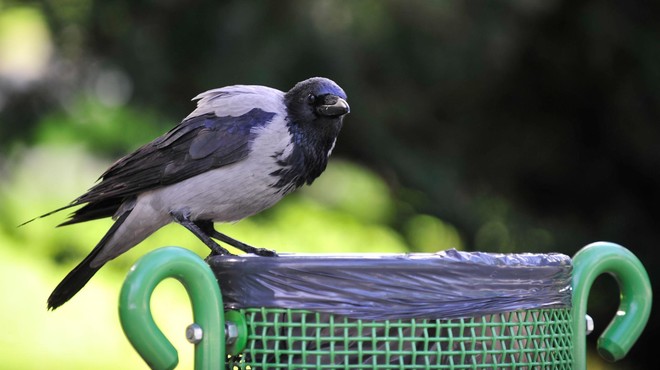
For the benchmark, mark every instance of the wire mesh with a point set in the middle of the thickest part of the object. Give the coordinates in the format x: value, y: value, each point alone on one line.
x: 300, y: 339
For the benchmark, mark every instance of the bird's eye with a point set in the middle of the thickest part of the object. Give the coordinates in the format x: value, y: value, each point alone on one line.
x: 311, y: 98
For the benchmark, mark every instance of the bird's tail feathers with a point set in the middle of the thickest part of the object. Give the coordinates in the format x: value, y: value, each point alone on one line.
x: 49, y: 213
x: 81, y: 274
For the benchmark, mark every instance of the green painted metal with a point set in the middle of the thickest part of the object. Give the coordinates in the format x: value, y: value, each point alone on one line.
x: 298, y: 339
x: 634, y: 307
x: 239, y: 342
x: 208, y: 312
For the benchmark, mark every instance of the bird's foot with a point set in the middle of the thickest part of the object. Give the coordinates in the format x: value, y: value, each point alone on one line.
x: 208, y: 229
x: 264, y: 252
x: 242, y: 246
x: 204, y: 230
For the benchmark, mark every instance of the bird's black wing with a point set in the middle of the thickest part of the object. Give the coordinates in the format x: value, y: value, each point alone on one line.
x: 196, y: 145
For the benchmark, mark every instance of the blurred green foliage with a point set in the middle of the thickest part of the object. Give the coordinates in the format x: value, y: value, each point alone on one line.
x: 510, y: 126
x: 100, y: 128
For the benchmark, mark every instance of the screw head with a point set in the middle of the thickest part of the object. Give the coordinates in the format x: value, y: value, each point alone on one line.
x: 590, y: 324
x: 231, y: 332
x: 194, y: 333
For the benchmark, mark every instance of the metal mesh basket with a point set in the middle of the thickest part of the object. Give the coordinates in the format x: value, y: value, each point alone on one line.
x: 299, y: 339
x: 449, y: 310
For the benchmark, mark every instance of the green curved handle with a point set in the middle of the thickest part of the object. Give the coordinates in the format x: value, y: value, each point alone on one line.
x: 202, y: 287
x: 634, y: 308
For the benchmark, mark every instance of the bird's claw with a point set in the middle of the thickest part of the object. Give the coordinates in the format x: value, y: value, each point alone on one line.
x: 216, y: 253
x: 262, y: 252
x: 265, y: 252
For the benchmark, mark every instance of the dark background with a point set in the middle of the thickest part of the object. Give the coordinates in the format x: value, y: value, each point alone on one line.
x: 531, y: 126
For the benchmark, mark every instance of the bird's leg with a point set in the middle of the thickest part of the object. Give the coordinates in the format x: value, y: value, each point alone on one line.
x: 183, y: 218
x: 207, y: 227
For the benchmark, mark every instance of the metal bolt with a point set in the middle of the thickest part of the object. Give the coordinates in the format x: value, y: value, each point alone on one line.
x: 231, y: 332
x: 590, y: 324
x: 194, y: 333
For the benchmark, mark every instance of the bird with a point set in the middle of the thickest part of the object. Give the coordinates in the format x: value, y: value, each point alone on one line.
x: 240, y: 151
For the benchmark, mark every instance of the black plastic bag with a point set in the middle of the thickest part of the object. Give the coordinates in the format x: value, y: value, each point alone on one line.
x: 444, y: 285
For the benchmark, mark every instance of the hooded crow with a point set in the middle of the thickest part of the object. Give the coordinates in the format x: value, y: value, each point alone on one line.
x: 239, y: 152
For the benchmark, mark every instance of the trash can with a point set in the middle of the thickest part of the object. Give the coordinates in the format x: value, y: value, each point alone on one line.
x: 448, y: 310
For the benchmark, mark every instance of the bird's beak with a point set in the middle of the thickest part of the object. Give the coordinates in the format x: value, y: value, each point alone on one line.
x: 333, y: 106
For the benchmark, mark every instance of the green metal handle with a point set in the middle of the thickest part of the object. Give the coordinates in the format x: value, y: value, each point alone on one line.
x: 634, y: 307
x: 202, y: 287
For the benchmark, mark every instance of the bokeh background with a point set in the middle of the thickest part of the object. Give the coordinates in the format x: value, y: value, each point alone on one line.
x: 509, y: 126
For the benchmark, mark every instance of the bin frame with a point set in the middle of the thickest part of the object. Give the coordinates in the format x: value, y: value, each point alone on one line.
x: 211, y: 322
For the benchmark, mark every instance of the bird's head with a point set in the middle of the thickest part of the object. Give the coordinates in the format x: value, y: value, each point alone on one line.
x: 317, y: 100
x: 315, y: 110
